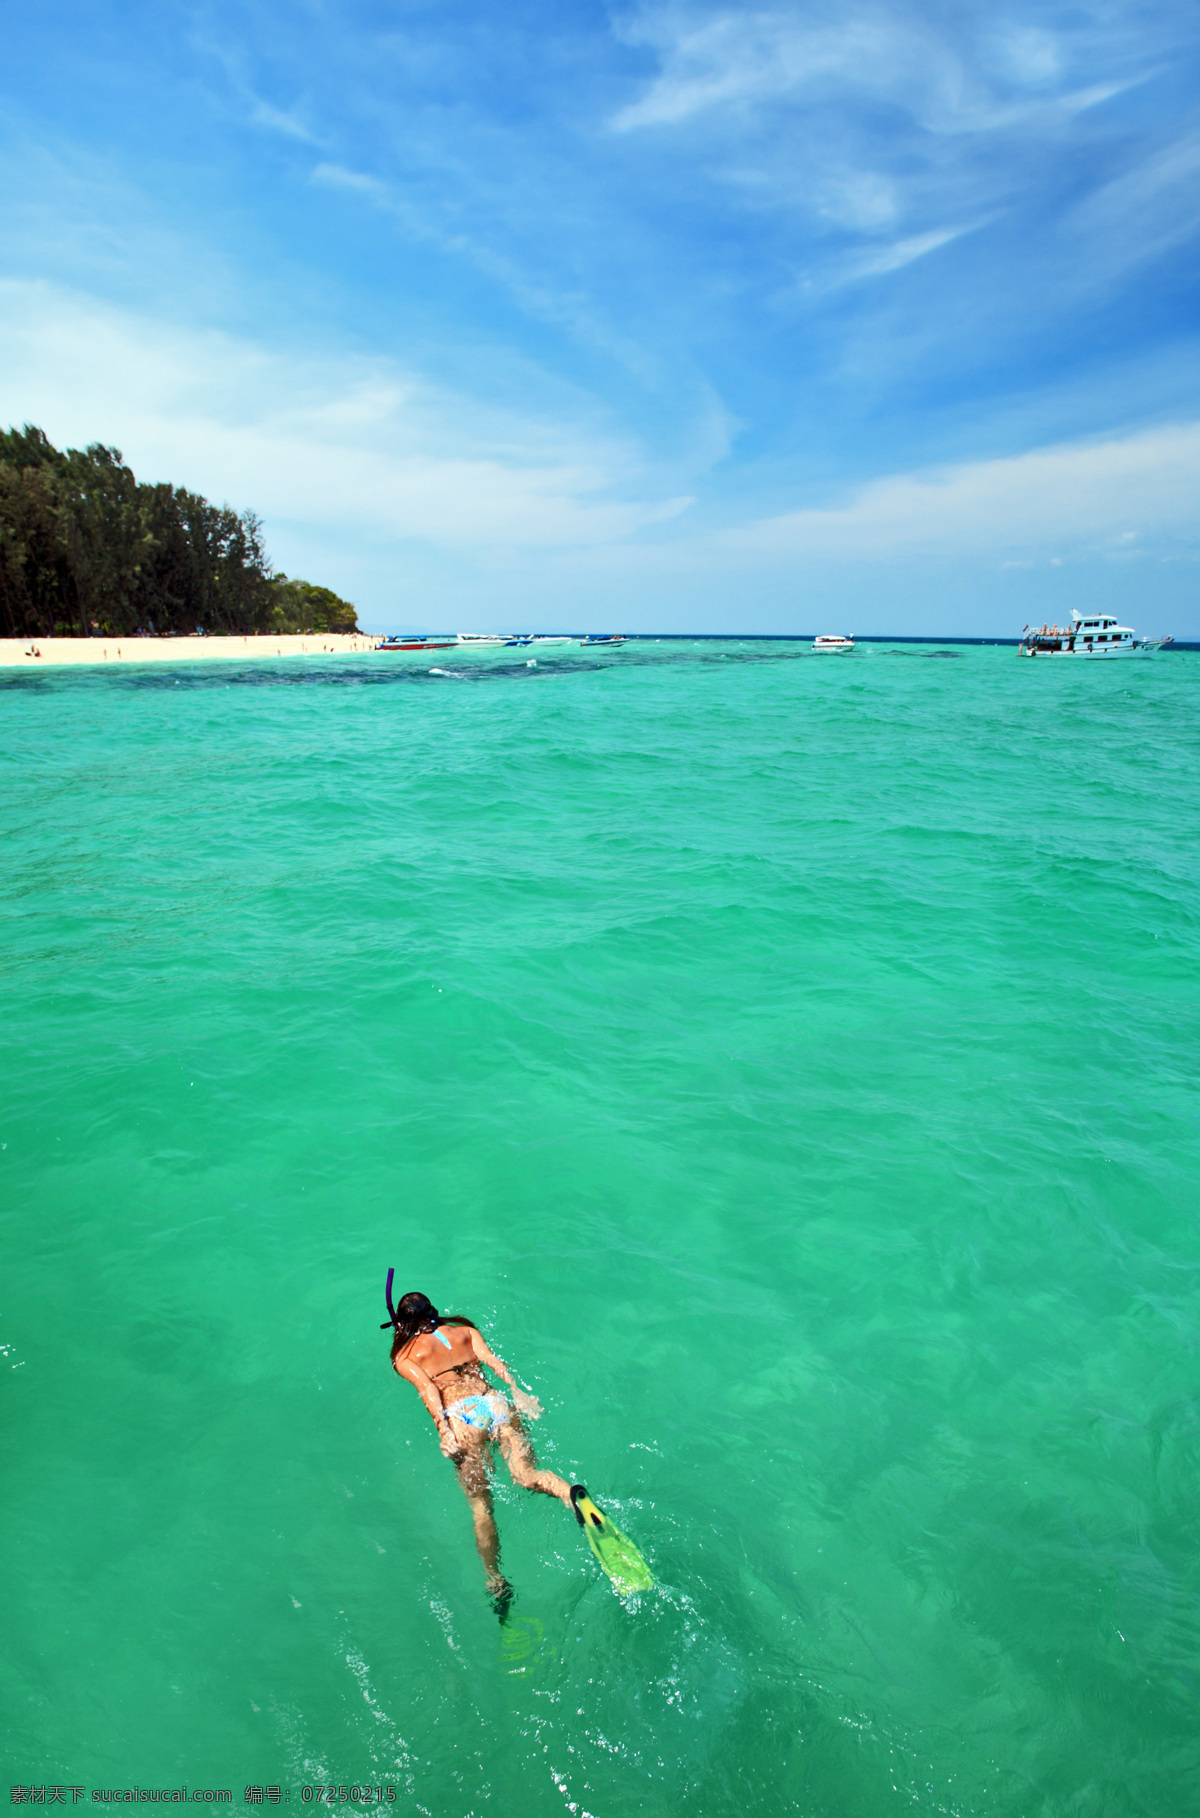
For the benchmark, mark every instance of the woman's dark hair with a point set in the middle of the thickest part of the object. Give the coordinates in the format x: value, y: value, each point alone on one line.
x: 416, y: 1313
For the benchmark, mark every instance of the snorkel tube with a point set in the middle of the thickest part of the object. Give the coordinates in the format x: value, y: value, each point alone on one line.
x: 391, y: 1320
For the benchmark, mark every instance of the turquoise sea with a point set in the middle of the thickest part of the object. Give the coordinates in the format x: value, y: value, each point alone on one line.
x: 790, y: 1061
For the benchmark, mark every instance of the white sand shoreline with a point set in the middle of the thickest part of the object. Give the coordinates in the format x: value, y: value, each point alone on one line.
x: 40, y: 653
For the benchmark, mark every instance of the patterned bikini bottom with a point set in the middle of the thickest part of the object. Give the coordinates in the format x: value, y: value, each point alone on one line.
x: 486, y: 1413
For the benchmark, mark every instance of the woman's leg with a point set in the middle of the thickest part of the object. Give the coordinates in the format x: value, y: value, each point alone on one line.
x: 523, y: 1466
x: 471, y: 1470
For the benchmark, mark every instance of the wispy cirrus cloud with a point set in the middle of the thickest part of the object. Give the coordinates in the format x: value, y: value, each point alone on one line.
x: 336, y: 176
x: 281, y: 120
x: 878, y: 260
x: 949, y: 80
x: 877, y: 135
x: 904, y: 252
x: 736, y: 60
x: 566, y: 306
x: 1150, y: 207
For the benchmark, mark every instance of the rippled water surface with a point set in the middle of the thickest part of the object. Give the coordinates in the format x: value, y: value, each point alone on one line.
x: 789, y: 1061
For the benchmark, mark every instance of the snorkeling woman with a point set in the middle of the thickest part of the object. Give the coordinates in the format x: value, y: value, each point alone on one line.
x: 443, y: 1355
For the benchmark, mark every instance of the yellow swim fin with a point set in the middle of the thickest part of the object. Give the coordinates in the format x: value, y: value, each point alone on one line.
x: 524, y: 1650
x: 615, y: 1552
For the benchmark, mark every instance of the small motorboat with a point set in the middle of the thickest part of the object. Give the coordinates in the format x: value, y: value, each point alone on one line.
x: 833, y: 641
x: 401, y: 643
x: 609, y: 642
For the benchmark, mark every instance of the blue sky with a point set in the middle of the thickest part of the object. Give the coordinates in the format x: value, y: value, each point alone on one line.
x: 676, y: 317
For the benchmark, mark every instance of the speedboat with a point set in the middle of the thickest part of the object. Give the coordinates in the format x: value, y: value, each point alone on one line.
x: 545, y: 637
x: 609, y: 642
x: 833, y: 641
x: 402, y: 643
x: 482, y: 639
x: 1097, y: 636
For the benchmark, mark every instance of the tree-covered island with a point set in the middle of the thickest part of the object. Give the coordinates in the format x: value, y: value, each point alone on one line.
x: 87, y: 550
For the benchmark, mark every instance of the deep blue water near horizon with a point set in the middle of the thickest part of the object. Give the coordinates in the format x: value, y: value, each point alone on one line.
x: 747, y: 640
x: 790, y: 1062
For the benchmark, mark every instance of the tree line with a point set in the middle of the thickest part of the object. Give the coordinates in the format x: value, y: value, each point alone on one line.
x: 87, y: 550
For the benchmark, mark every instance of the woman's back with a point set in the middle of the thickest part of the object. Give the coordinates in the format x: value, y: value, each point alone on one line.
x: 448, y: 1347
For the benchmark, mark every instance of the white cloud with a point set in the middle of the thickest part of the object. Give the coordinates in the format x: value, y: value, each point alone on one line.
x: 904, y: 252
x: 565, y: 306
x: 881, y: 132
x: 743, y: 61
x: 347, y: 447
x: 336, y: 176
x: 1027, y: 52
x: 1143, y: 212
x: 1048, y: 497
x: 353, y: 445
x: 878, y: 260
x: 277, y: 120
x: 864, y: 200
x: 739, y: 58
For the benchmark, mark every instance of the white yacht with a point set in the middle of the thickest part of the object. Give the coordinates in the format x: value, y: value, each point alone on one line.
x: 1097, y: 636
x: 833, y: 641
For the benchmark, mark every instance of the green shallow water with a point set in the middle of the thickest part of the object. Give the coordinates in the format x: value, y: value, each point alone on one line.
x: 789, y: 1061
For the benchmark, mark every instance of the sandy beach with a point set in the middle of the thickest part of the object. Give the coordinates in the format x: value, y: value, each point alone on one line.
x: 40, y: 652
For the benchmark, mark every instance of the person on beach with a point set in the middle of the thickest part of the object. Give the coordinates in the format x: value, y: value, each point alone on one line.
x: 443, y: 1356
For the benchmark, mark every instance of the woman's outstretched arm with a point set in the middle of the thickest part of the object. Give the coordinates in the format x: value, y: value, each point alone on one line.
x: 524, y: 1404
